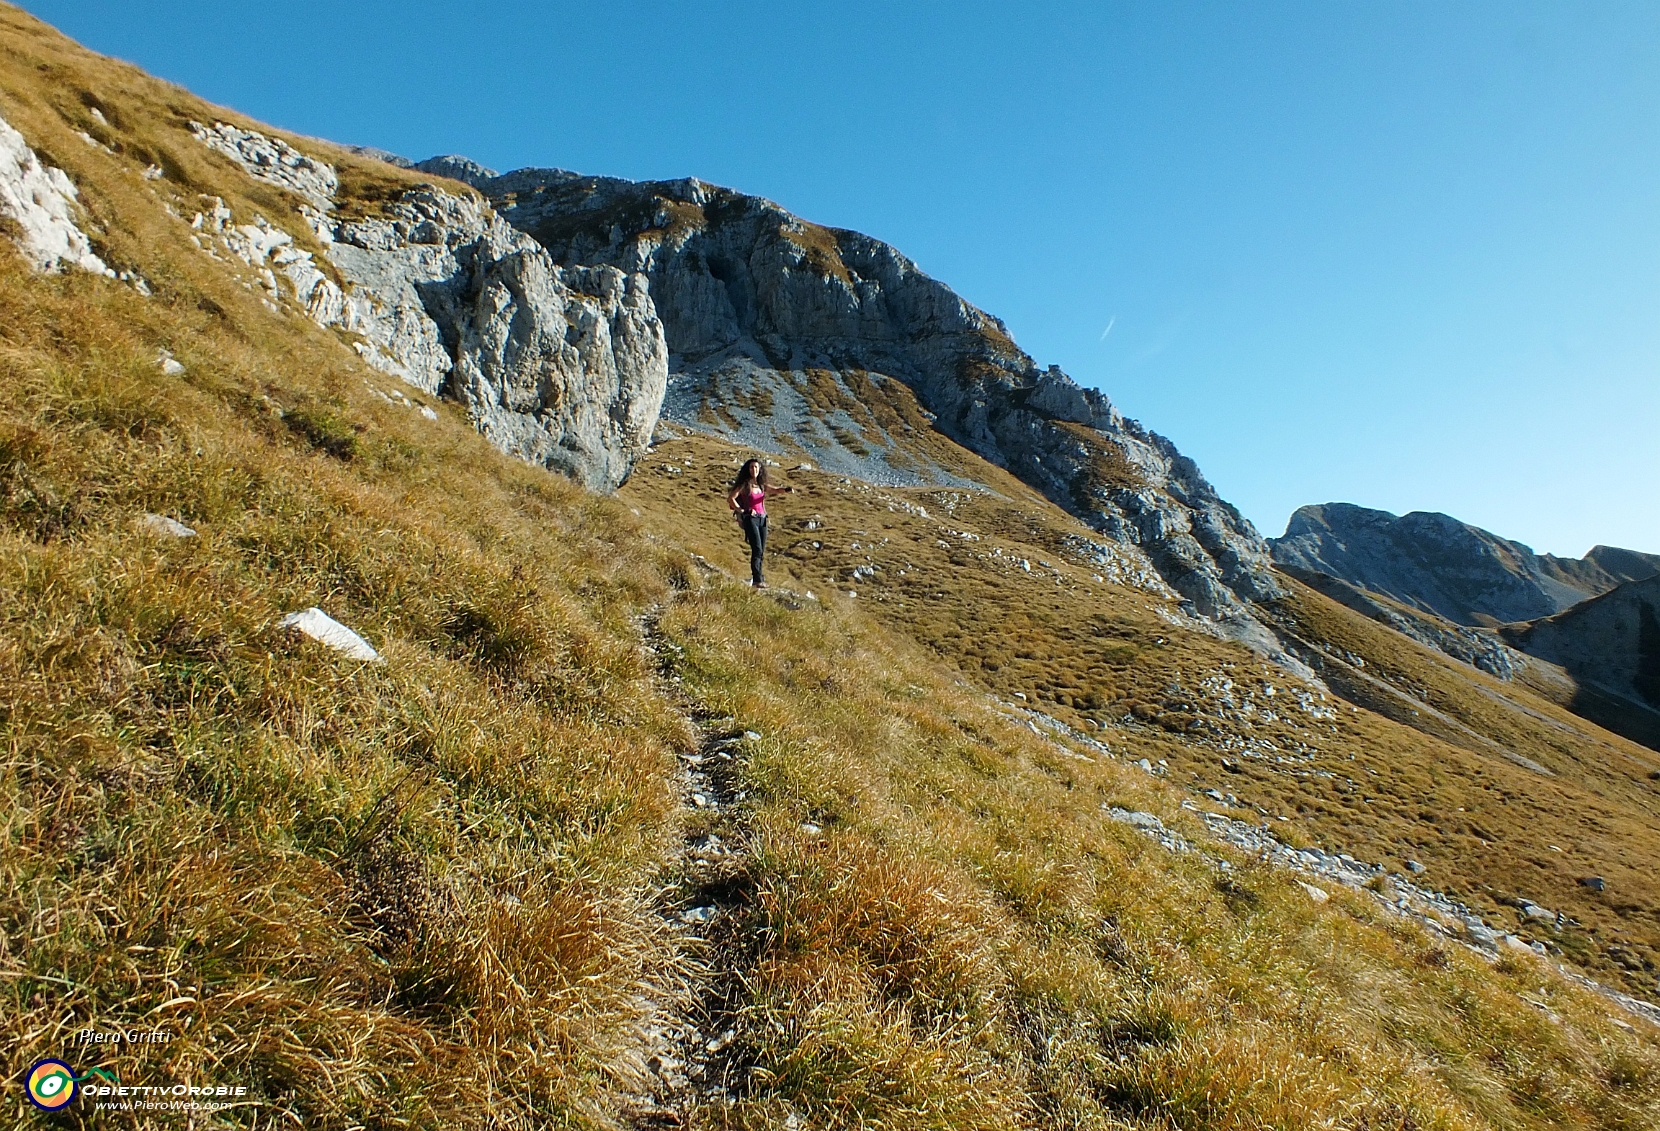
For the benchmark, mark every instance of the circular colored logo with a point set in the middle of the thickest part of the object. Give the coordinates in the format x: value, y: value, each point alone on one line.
x: 51, y: 1084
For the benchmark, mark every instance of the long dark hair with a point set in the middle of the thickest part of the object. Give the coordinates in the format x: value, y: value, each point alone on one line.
x: 744, y: 478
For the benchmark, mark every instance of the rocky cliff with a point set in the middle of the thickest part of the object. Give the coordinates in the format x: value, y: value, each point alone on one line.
x: 1441, y: 565
x: 1611, y: 646
x: 793, y: 337
x: 562, y: 366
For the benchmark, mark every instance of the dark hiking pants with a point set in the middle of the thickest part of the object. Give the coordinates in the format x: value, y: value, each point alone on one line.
x: 755, y: 533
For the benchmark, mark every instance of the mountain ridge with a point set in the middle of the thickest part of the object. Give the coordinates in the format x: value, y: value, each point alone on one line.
x: 1447, y: 567
x: 764, y: 309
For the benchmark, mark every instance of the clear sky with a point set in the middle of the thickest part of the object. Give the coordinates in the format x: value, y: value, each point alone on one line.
x: 1405, y: 255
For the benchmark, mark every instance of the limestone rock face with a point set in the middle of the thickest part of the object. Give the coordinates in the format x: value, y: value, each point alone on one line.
x: 784, y: 333
x: 562, y: 367
x: 272, y: 160
x: 39, y: 199
x: 1441, y: 565
x: 565, y: 367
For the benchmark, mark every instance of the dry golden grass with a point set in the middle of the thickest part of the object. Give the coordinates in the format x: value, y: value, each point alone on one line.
x: 411, y: 894
x: 967, y: 942
x: 379, y: 892
x: 420, y: 894
x: 1420, y: 773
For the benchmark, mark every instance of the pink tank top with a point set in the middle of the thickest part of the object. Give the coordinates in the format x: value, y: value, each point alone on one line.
x: 753, y: 501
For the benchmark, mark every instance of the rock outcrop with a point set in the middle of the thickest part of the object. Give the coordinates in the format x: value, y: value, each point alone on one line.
x: 783, y: 334
x: 562, y: 366
x: 375, y: 153
x: 39, y: 200
x: 272, y: 160
x: 456, y: 168
x: 1452, y: 569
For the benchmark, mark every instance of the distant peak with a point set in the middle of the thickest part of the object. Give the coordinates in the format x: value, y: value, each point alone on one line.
x: 457, y: 168
x: 1324, y: 516
x: 376, y: 154
x: 1441, y: 564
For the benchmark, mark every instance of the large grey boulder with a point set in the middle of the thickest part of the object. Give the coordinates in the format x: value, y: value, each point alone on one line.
x: 562, y: 366
x: 789, y: 335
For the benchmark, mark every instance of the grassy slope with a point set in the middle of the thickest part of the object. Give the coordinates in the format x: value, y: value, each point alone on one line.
x: 420, y: 894
x: 1422, y: 775
x: 303, y: 866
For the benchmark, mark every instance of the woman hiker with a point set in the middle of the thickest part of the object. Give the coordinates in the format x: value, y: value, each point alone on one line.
x: 748, y: 500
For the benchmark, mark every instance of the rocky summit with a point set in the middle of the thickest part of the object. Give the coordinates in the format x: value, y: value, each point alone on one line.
x: 1438, y: 564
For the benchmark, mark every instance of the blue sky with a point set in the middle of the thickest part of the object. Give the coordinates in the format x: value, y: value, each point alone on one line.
x: 1405, y: 255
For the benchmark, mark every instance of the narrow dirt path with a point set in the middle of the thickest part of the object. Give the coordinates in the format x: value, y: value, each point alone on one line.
x: 692, y: 1052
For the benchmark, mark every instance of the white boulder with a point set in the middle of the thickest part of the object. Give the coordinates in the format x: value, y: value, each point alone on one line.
x: 166, y: 527
x: 324, y: 629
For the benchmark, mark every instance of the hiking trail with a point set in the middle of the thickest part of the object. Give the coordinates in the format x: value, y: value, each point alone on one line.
x: 691, y: 1056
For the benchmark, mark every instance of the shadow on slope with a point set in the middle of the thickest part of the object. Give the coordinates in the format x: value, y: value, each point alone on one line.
x: 1610, y: 647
